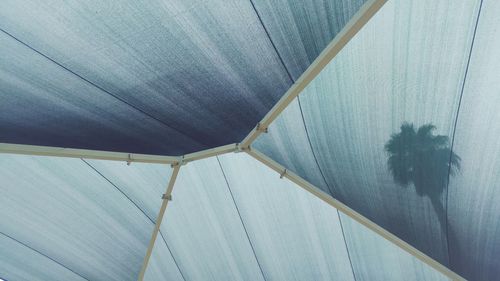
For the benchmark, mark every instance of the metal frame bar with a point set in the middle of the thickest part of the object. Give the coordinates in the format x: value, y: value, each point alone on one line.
x: 85, y: 153
x: 114, y: 156
x: 166, y: 197
x: 283, y: 172
x: 334, y: 47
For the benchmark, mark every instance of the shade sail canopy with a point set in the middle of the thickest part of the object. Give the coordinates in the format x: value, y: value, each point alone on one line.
x: 474, y: 213
x: 155, y: 77
x: 231, y: 218
x: 379, y: 118
x: 377, y: 124
x: 76, y: 217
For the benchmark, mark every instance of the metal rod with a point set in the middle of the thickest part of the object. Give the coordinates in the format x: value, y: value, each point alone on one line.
x: 114, y: 156
x: 159, y: 219
x: 85, y: 153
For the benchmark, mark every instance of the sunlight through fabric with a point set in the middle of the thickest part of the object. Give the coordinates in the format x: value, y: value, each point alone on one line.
x: 474, y: 193
x: 70, y: 217
x: 256, y: 140
x: 393, y: 91
x: 280, y: 231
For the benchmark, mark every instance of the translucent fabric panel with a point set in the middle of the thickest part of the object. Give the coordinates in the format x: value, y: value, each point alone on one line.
x: 20, y: 263
x: 406, y: 65
x: 205, y: 68
x: 287, y: 137
x: 474, y: 194
x: 296, y: 236
x: 232, y: 218
x: 144, y: 184
x: 203, y: 229
x: 43, y: 104
x: 375, y: 258
x: 162, y: 265
x: 302, y: 29
x: 67, y: 211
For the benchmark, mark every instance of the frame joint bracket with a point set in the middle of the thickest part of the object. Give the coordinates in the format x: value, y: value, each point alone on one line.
x: 240, y: 148
x: 283, y: 174
x: 179, y: 163
x: 260, y: 128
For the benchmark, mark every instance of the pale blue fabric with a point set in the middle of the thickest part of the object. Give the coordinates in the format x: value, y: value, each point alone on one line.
x: 19, y: 263
x: 142, y: 183
x: 407, y: 64
x: 162, y: 265
x: 301, y: 29
x: 61, y: 211
x: 474, y: 194
x: 376, y: 259
x: 232, y: 218
x: 288, y: 144
x: 203, y: 229
x: 296, y: 236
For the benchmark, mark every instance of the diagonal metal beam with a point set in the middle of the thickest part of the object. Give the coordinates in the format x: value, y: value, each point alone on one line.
x: 334, y: 47
x: 166, y: 197
x: 351, y: 213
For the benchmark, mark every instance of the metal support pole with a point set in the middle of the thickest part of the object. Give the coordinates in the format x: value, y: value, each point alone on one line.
x: 166, y: 198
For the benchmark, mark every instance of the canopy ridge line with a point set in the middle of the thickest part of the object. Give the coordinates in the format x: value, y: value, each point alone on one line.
x: 166, y: 197
x: 286, y: 173
x: 355, y: 24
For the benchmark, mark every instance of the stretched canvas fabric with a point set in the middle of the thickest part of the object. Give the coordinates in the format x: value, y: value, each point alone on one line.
x: 155, y: 77
x: 73, y: 216
x: 474, y: 193
x: 232, y: 218
x: 404, y: 70
x: 400, y: 126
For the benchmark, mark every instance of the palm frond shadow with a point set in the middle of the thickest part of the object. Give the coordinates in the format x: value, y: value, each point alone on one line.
x: 419, y: 158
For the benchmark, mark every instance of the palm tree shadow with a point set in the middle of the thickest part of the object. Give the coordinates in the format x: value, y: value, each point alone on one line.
x: 425, y: 160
